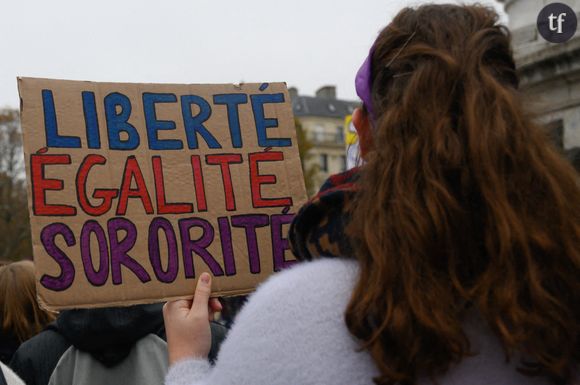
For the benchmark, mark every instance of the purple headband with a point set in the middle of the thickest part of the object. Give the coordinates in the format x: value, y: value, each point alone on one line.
x: 363, y: 82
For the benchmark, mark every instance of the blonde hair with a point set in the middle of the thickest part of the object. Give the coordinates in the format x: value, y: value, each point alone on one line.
x: 19, y: 310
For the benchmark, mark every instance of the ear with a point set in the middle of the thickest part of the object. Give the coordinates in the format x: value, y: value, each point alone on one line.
x: 360, y: 119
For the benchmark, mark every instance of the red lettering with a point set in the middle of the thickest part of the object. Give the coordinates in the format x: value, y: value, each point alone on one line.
x: 257, y: 180
x: 224, y: 160
x: 40, y: 185
x: 106, y: 195
x: 133, y: 172
x: 198, y: 182
x: 162, y: 206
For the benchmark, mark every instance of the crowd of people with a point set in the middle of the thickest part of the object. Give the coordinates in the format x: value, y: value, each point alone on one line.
x: 450, y: 256
x: 81, y: 346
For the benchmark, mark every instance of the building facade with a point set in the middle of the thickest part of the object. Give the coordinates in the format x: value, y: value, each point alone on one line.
x: 322, y: 117
x: 549, y: 73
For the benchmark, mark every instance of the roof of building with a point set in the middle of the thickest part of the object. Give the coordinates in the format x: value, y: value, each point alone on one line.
x: 324, y: 107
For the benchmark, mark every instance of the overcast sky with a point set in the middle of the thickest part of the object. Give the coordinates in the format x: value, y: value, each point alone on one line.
x: 306, y: 43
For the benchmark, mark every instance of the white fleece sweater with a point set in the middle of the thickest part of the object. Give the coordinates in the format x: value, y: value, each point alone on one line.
x: 292, y: 331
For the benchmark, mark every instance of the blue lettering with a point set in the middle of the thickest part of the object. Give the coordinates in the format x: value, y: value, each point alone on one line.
x: 153, y: 125
x: 232, y: 101
x: 118, y: 122
x: 53, y: 139
x: 263, y: 123
x: 91, y: 119
x: 194, y: 124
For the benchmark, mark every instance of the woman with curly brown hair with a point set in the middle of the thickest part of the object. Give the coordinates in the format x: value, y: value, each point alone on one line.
x: 459, y: 236
x: 20, y: 315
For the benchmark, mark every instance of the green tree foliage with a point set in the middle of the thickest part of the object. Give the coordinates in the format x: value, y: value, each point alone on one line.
x: 15, y: 240
x: 309, y: 169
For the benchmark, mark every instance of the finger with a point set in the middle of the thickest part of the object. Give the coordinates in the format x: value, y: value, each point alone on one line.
x: 201, y: 296
x: 172, y: 306
x: 215, y: 305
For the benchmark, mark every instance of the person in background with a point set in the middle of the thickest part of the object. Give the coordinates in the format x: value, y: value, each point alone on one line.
x: 20, y: 316
x: 100, y: 346
x: 452, y: 256
x: 231, y: 306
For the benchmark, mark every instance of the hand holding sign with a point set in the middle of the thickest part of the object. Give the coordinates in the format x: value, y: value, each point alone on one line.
x: 136, y: 189
x: 187, y: 323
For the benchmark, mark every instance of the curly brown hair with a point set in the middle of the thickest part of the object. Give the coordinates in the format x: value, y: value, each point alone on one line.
x: 463, y: 204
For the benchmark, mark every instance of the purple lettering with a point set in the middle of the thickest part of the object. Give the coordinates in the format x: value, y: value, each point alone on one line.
x: 67, y: 269
x: 227, y: 249
x: 250, y: 222
x: 280, y: 244
x: 169, y: 275
x: 98, y: 277
x: 119, y: 249
x: 198, y: 246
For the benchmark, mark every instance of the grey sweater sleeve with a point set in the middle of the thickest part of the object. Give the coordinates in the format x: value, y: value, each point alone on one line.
x: 187, y: 372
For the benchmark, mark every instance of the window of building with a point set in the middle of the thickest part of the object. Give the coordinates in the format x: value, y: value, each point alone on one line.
x: 340, y: 134
x: 324, y: 162
x: 342, y: 163
x: 318, y: 134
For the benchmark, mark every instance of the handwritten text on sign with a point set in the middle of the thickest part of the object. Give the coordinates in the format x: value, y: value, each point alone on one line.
x: 137, y: 188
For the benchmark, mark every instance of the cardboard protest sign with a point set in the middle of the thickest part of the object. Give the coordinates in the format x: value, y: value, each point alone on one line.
x: 136, y: 189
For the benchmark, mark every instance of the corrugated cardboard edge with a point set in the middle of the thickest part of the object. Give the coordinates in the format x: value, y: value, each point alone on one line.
x: 57, y: 308
x: 41, y: 303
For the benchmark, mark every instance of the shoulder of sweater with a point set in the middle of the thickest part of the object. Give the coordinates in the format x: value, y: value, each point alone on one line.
x: 318, y: 275
x: 292, y: 330
x: 323, y: 283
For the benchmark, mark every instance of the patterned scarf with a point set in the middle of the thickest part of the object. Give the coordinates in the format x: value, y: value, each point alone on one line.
x: 318, y: 230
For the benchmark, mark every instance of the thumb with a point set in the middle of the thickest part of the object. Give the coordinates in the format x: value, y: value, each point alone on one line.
x: 201, y: 296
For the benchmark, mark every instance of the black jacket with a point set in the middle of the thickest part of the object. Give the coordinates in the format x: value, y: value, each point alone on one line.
x: 8, y: 345
x: 107, y: 334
